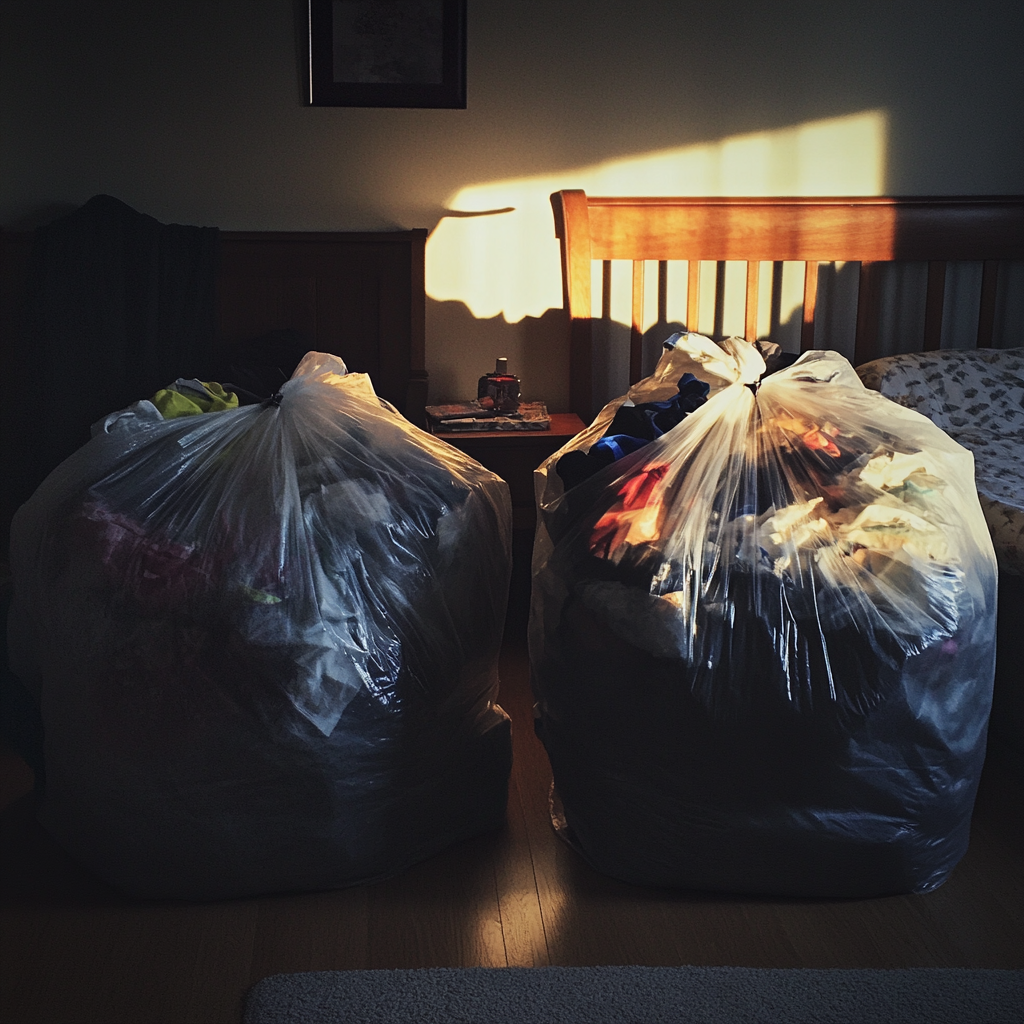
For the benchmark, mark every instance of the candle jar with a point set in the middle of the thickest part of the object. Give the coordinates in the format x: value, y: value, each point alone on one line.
x: 499, y: 390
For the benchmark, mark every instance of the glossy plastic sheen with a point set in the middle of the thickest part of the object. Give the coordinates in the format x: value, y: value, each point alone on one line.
x: 762, y: 645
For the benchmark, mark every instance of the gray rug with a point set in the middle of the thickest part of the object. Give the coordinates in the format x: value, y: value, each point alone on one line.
x: 644, y: 995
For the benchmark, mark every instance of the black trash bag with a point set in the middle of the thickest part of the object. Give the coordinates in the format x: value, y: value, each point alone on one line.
x: 267, y: 640
x: 762, y: 644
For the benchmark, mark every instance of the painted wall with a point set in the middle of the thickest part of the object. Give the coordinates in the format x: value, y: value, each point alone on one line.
x: 192, y: 111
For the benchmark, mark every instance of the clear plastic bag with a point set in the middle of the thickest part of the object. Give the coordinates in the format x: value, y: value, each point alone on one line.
x: 268, y: 643
x: 762, y: 643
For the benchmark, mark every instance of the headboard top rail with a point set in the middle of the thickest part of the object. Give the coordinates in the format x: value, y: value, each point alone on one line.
x: 803, y: 228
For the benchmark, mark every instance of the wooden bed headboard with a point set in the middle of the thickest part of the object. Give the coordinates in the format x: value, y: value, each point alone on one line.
x: 868, y: 230
x: 359, y: 295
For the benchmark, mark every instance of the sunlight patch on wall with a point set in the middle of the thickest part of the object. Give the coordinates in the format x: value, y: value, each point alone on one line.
x: 507, y: 263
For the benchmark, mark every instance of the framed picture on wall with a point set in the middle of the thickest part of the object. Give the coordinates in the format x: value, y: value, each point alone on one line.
x: 387, y: 53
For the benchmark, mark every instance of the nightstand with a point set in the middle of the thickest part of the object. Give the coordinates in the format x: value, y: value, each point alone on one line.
x: 514, y: 455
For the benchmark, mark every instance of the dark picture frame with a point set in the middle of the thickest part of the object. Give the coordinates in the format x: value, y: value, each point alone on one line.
x: 387, y: 53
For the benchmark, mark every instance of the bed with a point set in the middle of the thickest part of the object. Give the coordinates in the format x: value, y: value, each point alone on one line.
x: 923, y: 240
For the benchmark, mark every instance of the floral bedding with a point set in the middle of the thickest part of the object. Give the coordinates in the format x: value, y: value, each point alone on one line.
x: 977, y: 397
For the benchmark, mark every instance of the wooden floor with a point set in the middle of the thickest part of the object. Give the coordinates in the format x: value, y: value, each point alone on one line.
x: 73, y: 950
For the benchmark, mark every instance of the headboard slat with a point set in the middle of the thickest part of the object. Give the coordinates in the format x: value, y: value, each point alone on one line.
x: 636, y: 332
x: 750, y: 305
x: 934, y: 299
x: 987, y: 313
x: 866, y: 343
x: 810, y: 305
x: 692, y: 294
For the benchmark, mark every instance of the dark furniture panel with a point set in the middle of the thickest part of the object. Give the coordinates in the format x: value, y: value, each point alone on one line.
x: 357, y: 295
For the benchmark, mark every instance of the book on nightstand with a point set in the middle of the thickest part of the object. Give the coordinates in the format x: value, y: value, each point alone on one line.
x: 464, y: 417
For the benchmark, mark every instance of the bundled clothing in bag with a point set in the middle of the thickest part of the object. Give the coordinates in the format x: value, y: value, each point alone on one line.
x: 762, y: 641
x: 267, y: 640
